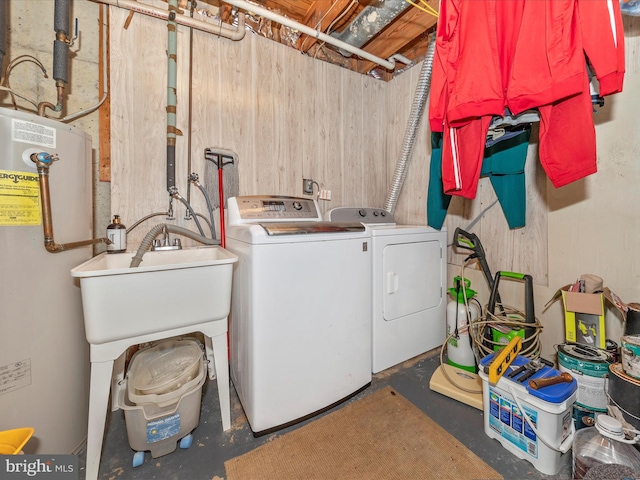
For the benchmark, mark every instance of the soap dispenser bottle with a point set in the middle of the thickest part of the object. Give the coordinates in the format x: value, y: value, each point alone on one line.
x: 604, y: 446
x: 117, y: 235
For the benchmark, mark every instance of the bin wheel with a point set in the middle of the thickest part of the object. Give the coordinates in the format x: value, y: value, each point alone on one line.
x: 138, y: 459
x: 185, y: 442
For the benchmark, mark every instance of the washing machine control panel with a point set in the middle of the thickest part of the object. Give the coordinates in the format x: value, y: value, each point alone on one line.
x: 366, y: 215
x: 272, y: 208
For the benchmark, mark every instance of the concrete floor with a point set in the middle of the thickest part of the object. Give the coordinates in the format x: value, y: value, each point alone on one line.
x: 211, y: 447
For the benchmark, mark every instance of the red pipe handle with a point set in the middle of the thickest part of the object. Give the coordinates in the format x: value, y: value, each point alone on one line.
x: 221, y: 192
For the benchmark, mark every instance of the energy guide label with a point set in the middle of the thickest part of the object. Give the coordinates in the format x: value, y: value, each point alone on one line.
x: 19, y: 198
x: 506, y: 419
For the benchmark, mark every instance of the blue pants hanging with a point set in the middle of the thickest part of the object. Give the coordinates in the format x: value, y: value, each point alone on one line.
x: 503, y: 163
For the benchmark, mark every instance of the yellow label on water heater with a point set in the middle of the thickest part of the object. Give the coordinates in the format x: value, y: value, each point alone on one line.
x: 19, y: 198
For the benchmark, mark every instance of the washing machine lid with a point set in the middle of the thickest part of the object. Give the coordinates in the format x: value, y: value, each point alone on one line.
x: 256, y: 234
x: 303, y: 228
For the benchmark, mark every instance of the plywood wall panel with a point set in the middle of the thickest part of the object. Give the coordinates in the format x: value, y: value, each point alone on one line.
x: 306, y: 115
x: 287, y: 116
x: 411, y: 206
x: 296, y: 115
x: 330, y: 110
x: 632, y: 43
x: 522, y: 250
x: 207, y: 105
x: 374, y: 112
x: 353, y: 180
x: 138, y: 117
x: 398, y: 102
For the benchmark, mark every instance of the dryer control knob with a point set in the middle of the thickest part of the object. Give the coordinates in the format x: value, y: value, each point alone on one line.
x: 362, y: 213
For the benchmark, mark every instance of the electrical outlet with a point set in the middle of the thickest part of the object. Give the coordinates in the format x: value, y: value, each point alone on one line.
x: 307, y: 186
x: 324, y: 194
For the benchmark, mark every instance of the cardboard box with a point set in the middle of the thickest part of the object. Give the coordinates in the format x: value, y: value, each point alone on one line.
x: 584, y: 315
x: 584, y: 318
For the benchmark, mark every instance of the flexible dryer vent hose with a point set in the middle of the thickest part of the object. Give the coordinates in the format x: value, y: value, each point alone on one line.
x: 155, y: 231
x: 417, y: 109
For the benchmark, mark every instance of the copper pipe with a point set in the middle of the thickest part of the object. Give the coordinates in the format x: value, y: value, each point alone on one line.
x: 56, y: 108
x: 47, y: 220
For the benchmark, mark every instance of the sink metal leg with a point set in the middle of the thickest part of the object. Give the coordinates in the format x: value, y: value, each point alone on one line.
x: 98, y: 402
x: 221, y: 359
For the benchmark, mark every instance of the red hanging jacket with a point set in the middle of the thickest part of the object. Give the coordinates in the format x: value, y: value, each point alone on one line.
x: 522, y: 54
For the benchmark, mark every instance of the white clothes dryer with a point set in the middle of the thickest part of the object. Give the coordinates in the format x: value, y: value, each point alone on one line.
x: 409, y: 268
x: 300, y: 329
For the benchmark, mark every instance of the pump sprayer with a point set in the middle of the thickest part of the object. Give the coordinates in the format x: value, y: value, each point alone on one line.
x: 460, y: 313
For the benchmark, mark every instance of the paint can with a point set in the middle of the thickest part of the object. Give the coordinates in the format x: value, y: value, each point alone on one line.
x: 624, y: 391
x: 630, y: 354
x: 590, y: 367
x: 632, y: 322
x: 612, y: 348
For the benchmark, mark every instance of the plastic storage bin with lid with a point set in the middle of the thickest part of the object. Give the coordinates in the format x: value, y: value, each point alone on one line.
x: 534, y: 424
x: 605, y: 448
x: 162, y: 397
x: 161, y: 374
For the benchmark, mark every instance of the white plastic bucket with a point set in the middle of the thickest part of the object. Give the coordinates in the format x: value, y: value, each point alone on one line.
x: 504, y: 420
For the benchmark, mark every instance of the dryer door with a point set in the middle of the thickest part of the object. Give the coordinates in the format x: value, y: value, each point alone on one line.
x: 412, y: 273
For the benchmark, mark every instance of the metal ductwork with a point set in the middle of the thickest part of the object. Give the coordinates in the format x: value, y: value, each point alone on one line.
x: 370, y: 21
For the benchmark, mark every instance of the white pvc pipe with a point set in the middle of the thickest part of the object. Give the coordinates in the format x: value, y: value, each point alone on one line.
x: 221, y: 29
x: 250, y: 7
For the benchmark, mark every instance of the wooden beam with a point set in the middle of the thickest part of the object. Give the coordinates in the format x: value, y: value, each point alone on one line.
x: 325, y: 12
x: 393, y: 39
x: 104, y: 112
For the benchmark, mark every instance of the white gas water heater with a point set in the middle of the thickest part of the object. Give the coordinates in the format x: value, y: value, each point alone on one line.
x: 44, y: 356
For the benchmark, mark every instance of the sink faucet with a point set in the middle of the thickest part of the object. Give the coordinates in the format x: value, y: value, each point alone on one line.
x: 165, y: 243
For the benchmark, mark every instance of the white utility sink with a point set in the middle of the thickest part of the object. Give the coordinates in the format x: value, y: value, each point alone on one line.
x: 170, y: 289
x: 171, y: 293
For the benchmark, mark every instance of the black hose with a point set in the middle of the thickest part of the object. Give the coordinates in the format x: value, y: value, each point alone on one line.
x: 60, y: 61
x: 3, y: 34
x: 61, y: 16
x: 171, y: 166
x: 60, y: 46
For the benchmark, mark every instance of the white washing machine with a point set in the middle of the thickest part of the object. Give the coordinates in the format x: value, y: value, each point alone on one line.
x: 300, y: 330
x: 409, y: 268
